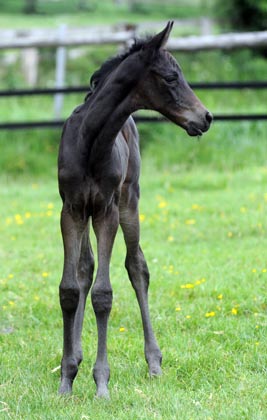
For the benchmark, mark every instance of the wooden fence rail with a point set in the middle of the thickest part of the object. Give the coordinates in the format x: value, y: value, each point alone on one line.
x: 95, y: 36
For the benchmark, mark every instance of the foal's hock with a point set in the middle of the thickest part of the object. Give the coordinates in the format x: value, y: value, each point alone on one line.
x: 98, y: 173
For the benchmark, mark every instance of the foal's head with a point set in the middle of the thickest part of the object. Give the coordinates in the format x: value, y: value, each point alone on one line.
x: 154, y: 80
x: 162, y: 87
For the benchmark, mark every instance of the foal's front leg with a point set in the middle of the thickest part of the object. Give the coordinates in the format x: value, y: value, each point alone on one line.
x: 72, y: 228
x: 105, y: 228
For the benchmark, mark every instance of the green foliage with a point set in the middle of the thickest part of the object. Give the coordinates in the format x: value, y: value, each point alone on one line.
x: 166, y: 146
x: 244, y: 14
x: 29, y: 152
x: 167, y: 9
x: 14, y: 6
x: 170, y: 9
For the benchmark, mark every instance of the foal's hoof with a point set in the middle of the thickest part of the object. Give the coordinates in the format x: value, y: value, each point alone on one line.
x: 65, y: 387
x: 154, y: 360
x: 155, y: 371
x: 102, y: 392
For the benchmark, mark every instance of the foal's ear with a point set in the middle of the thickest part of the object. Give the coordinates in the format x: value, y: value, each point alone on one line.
x: 160, y: 40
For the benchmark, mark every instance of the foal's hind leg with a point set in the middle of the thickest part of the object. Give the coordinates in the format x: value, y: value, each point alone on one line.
x: 85, y: 278
x: 139, y: 276
x: 105, y: 228
x: 73, y: 227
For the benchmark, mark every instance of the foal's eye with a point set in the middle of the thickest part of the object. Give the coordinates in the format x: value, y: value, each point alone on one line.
x: 170, y: 79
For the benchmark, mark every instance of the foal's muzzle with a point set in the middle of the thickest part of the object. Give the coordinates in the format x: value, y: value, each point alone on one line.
x: 196, y: 124
x: 198, y: 127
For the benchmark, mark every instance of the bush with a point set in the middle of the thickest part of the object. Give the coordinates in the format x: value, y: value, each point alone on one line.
x: 243, y: 14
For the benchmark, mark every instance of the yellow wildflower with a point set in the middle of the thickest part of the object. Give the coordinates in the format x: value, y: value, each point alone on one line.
x: 162, y: 204
x: 234, y: 311
x: 187, y: 286
x: 220, y: 296
x: 19, y: 219
x: 178, y: 308
x: 210, y: 314
x: 200, y: 281
x: 122, y: 329
x: 142, y: 217
x: 196, y: 207
x: 45, y: 274
x: 190, y: 222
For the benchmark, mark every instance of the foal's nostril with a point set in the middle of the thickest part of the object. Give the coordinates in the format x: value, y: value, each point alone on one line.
x: 209, y: 117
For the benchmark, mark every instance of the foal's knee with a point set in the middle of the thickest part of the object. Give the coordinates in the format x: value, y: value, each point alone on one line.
x: 69, y: 298
x: 101, y: 300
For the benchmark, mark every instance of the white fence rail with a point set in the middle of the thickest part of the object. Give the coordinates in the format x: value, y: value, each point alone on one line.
x: 38, y: 38
x: 225, y: 41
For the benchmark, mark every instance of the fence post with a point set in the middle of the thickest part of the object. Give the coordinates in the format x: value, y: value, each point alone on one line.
x: 30, y: 61
x: 61, y: 55
x: 206, y: 26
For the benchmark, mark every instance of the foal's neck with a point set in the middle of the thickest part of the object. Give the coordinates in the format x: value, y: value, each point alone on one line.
x: 110, y: 106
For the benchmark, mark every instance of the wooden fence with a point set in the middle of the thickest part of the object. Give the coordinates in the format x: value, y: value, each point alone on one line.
x: 67, y: 37
x: 60, y: 38
x: 57, y: 123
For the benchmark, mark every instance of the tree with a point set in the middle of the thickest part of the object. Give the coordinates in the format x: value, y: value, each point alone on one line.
x: 249, y: 15
x: 30, y: 6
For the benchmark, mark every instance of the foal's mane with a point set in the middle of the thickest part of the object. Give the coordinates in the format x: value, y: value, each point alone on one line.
x: 111, y: 63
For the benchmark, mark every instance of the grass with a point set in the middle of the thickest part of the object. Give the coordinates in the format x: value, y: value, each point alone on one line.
x: 204, y: 236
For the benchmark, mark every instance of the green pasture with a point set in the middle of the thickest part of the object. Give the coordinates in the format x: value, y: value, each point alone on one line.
x: 203, y: 228
x: 203, y: 215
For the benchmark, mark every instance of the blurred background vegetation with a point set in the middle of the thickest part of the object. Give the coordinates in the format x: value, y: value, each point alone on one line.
x: 119, y: 7
x: 227, y: 145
